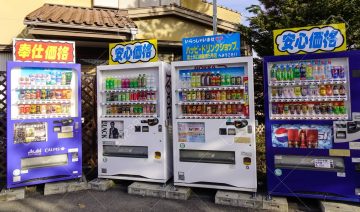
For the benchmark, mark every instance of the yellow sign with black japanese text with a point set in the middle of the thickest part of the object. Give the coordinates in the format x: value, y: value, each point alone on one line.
x: 133, y: 52
x: 312, y: 39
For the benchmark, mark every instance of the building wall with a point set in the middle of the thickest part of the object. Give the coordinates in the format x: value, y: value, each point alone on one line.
x: 13, y: 12
x: 170, y: 29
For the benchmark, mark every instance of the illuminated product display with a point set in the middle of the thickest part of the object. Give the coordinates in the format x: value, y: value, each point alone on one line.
x: 312, y: 125
x: 134, y: 115
x: 44, y: 123
x: 214, y: 124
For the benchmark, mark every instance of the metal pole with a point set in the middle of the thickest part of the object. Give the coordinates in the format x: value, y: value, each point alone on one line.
x: 215, y: 16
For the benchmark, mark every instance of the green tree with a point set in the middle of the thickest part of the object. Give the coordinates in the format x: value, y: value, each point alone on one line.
x: 280, y: 14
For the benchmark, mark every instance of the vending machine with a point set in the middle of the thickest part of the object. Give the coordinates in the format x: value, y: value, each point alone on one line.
x: 134, y: 118
x: 43, y: 123
x: 214, y: 124
x: 312, y: 110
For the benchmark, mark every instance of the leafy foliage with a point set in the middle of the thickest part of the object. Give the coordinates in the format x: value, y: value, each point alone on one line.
x: 280, y: 14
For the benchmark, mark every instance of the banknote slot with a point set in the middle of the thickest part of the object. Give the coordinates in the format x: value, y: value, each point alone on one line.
x: 206, y: 156
x: 44, y: 161
x: 313, y: 163
x: 126, y: 151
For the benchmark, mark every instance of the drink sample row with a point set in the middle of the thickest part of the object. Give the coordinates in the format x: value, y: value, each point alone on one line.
x: 131, y: 81
x: 308, y: 91
x: 131, y: 96
x: 36, y: 109
x: 131, y: 109
x: 307, y: 70
x: 212, y: 95
x: 44, y: 94
x: 198, y: 79
x: 216, y: 110
x: 307, y: 108
x: 302, y: 138
x: 53, y: 78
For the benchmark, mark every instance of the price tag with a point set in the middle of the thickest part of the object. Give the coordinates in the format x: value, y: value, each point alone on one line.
x: 324, y: 163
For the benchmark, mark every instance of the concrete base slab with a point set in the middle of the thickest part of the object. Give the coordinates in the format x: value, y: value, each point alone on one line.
x: 176, y: 192
x: 238, y: 199
x: 148, y: 189
x: 65, y: 186
x: 101, y: 184
x: 276, y: 204
x: 12, y: 194
x: 337, y: 206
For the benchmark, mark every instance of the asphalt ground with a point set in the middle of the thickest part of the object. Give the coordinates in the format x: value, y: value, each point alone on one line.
x: 117, y: 199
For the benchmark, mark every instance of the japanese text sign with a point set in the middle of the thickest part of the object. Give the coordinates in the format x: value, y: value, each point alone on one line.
x: 30, y: 50
x: 211, y: 47
x: 133, y: 52
x: 313, y: 39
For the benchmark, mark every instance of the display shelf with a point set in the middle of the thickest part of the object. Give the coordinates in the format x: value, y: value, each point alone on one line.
x: 308, y: 82
x: 121, y: 90
x: 212, y: 88
x: 209, y: 102
x: 129, y: 116
x: 43, y: 116
x: 28, y: 87
x: 45, y: 101
x: 309, y: 99
x: 309, y: 117
x: 129, y: 103
x: 197, y: 116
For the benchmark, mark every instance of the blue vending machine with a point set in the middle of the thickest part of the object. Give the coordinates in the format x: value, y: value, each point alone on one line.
x: 312, y: 109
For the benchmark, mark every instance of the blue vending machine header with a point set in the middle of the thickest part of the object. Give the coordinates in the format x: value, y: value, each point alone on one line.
x: 313, y: 125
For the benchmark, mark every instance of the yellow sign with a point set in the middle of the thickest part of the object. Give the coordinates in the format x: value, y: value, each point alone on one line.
x: 312, y: 39
x: 133, y: 52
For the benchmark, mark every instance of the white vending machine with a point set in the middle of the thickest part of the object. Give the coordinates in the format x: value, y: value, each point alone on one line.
x: 134, y: 118
x: 214, y: 124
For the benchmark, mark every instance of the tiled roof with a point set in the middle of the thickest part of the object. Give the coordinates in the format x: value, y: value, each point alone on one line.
x: 72, y: 16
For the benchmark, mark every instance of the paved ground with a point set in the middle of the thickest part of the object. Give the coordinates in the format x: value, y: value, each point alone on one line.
x: 117, y: 199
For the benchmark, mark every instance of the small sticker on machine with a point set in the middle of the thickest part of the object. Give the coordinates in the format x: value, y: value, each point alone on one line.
x: 341, y: 174
x: 323, y: 163
x: 73, y: 150
x: 354, y: 145
x: 24, y: 171
x: 355, y: 160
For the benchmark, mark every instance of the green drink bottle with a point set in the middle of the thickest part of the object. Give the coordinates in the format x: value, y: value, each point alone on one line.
x: 290, y: 73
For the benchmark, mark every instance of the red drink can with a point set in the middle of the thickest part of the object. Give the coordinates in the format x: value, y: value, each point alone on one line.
x: 21, y: 110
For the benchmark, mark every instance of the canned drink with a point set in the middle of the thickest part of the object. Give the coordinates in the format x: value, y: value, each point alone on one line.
x: 238, y: 80
x: 342, y: 90
x: 304, y: 90
x: 22, y: 95
x: 297, y: 91
x: 335, y: 72
x: 304, y: 108
x: 43, y: 109
x: 341, y: 72
x: 298, y: 109
x: 27, y: 109
x: 280, y: 91
x: 336, y: 108
x: 38, y: 94
x: 291, y: 92
x: 38, y: 109
x: 21, y: 110
x: 329, y: 108
x: 273, y: 92
x: 311, y: 108
x: 292, y: 108
x: 280, y: 108
x: 323, y: 108
x: 274, y: 108
x: 286, y: 109
x: 286, y: 92
x: 32, y: 109
x: 33, y: 94
x: 336, y: 90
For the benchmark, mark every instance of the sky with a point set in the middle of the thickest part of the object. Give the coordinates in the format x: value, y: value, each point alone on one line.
x: 238, y: 5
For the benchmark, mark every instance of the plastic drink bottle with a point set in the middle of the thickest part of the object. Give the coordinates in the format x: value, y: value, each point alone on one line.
x: 321, y: 73
x: 278, y: 73
x: 309, y: 71
x: 290, y: 73
x: 328, y: 70
x: 302, y: 72
x: 273, y: 73
x: 296, y: 71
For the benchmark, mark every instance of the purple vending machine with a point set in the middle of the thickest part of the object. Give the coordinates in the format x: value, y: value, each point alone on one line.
x: 43, y: 123
x: 312, y: 105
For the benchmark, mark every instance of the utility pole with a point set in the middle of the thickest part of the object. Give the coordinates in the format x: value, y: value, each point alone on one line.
x: 215, y: 16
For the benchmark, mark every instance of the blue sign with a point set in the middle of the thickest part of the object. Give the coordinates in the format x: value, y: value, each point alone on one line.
x: 211, y: 47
